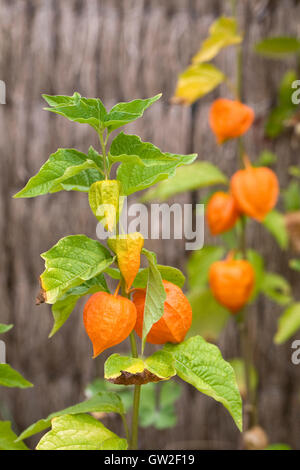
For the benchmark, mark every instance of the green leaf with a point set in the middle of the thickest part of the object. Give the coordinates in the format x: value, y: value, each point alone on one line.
x: 80, y: 432
x: 155, y: 296
x: 143, y: 164
x: 161, y: 364
x: 76, y: 108
x: 124, y: 370
x: 295, y: 264
x: 70, y: 262
x: 198, y: 175
x: 102, y: 385
x: 157, y: 404
x: 63, y: 307
x: 285, y: 108
x: 276, y: 121
x: 66, y: 169
x: 209, y: 317
x: 8, y: 438
x: 4, y: 328
x: 257, y: 263
x: 199, y: 264
x: 223, y: 33
x: 123, y: 113
x: 278, y: 47
x: 107, y: 402
x: 278, y: 447
x: 239, y: 370
x: 196, y: 81
x: 288, y: 323
x: 201, y: 364
x: 275, y: 224
x: 291, y: 197
x: 276, y: 288
x: 168, y: 273
x: 266, y: 158
x: 9, y: 377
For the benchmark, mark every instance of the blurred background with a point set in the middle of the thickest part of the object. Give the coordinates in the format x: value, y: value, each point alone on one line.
x: 119, y: 51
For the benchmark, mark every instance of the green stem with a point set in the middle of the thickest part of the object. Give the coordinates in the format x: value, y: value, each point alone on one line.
x: 103, y: 147
x: 135, y: 417
x: 244, y: 333
x: 133, y: 442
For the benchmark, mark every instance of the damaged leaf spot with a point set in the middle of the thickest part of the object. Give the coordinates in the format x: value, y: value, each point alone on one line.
x: 140, y: 378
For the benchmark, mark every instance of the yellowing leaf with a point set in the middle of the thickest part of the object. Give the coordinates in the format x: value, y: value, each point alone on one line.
x: 80, y: 432
x: 125, y: 370
x: 104, y: 197
x: 128, y: 250
x: 196, y: 81
x: 223, y: 33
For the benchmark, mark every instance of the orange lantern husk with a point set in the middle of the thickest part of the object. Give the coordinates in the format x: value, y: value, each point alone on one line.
x: 232, y: 282
x: 108, y: 320
x: 255, y: 190
x: 221, y: 213
x: 230, y: 119
x: 176, y: 319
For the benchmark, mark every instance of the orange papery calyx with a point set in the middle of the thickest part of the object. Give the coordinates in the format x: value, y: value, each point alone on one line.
x: 232, y: 282
x: 108, y: 320
x: 221, y: 212
x: 176, y: 320
x: 128, y: 249
x: 230, y: 119
x: 255, y: 190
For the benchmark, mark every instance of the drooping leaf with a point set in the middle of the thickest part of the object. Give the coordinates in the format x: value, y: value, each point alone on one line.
x: 288, y: 323
x: 63, y: 307
x: 69, y: 263
x: 77, y: 108
x: 127, y: 248
x: 107, y: 402
x: 155, y: 296
x: 145, y: 164
x: 239, y: 370
x: 209, y: 317
x: 199, y: 263
x: 277, y: 288
x: 189, y: 178
x: 5, y: 328
x: 278, y: 47
x: 66, y: 169
x: 201, y: 364
x: 104, y: 200
x: 275, y: 224
x: 80, y: 432
x: 223, y: 33
x: 9, y: 377
x: 196, y: 81
x: 8, y: 438
x: 123, y: 113
x: 125, y: 370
